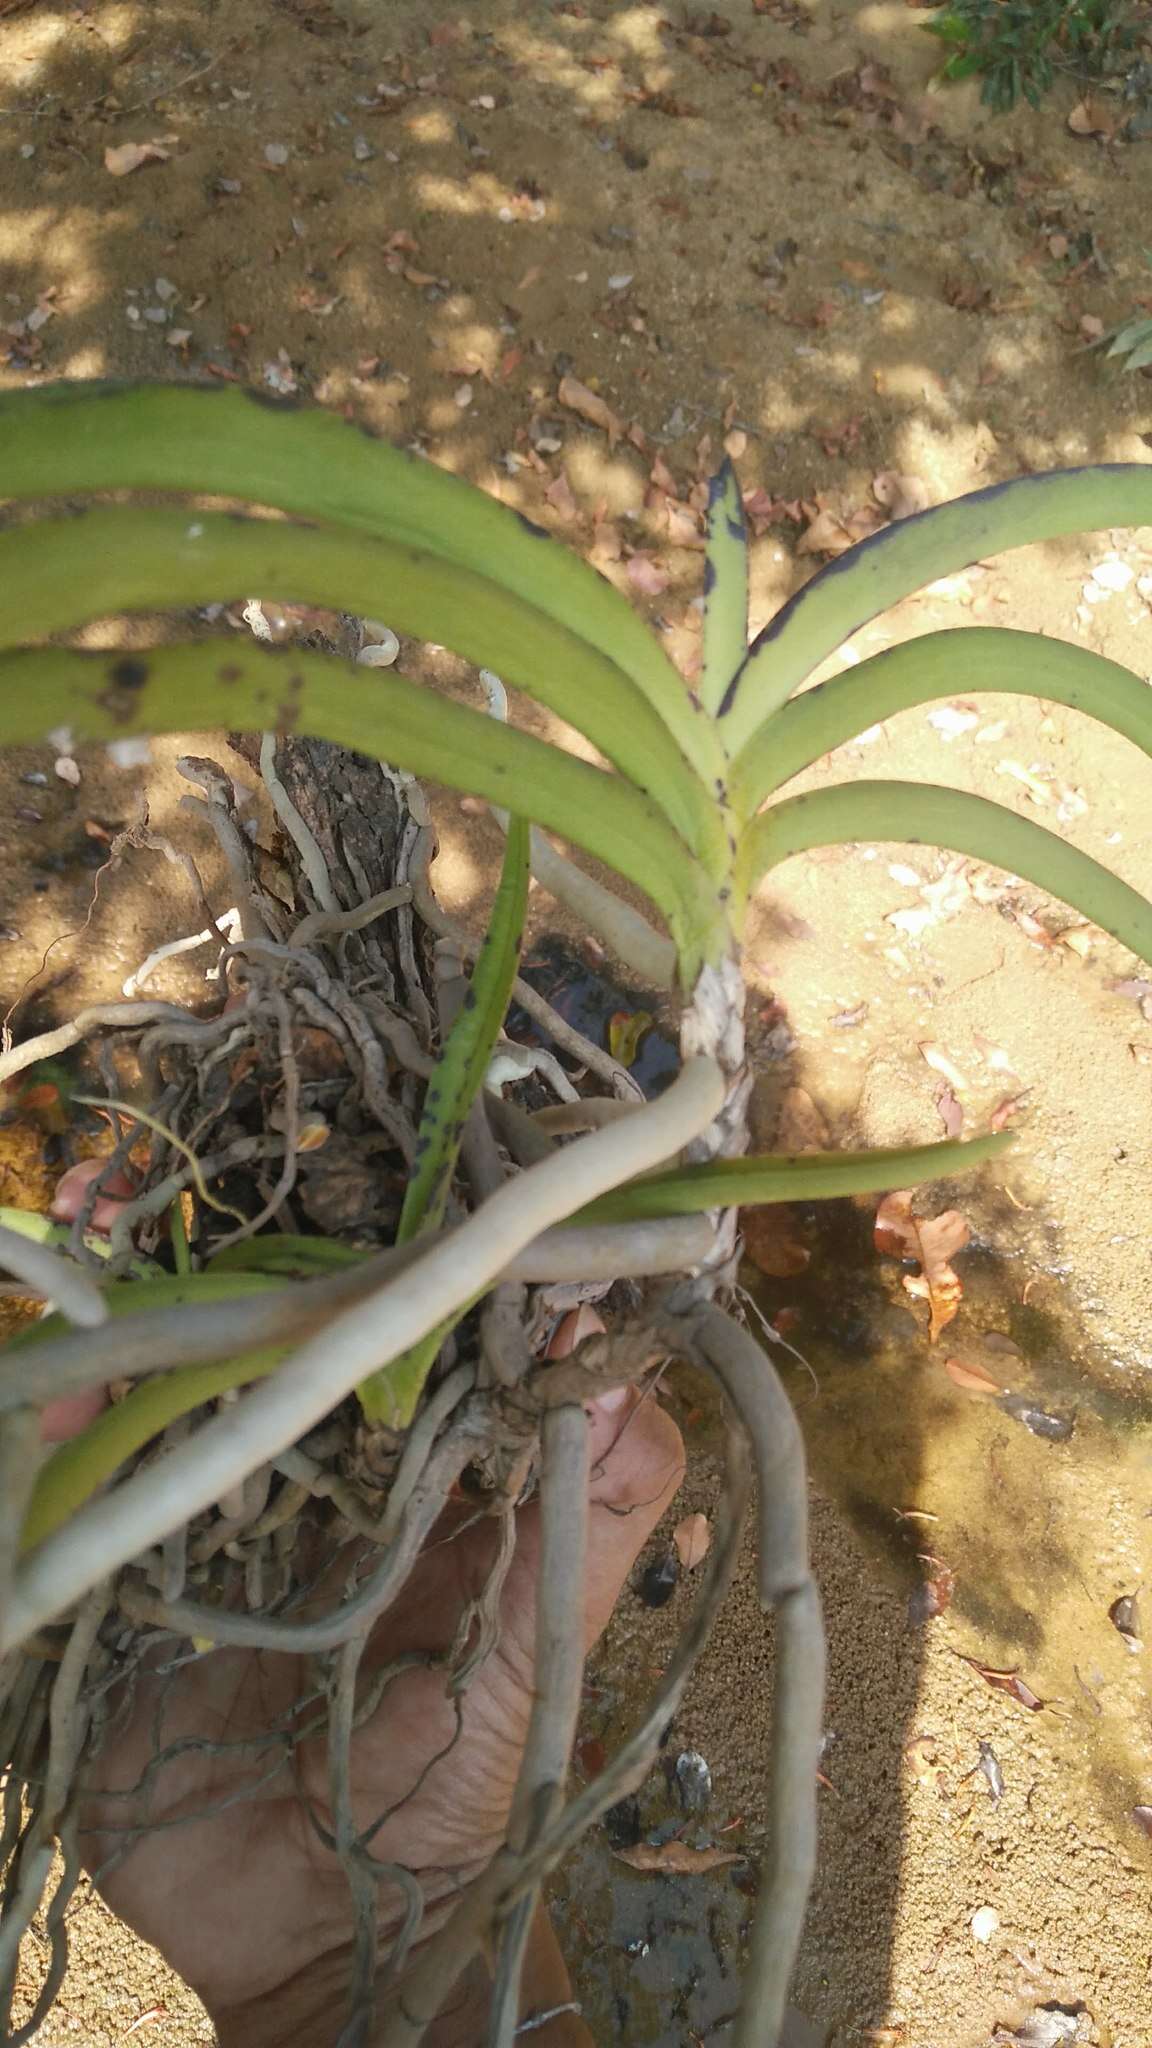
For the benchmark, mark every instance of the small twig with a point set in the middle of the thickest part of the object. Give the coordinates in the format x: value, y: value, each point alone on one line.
x: 370, y: 1335
x: 54, y: 1278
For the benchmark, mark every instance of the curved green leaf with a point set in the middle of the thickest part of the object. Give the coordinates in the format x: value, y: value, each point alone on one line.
x: 68, y: 438
x: 74, y: 1472
x: 725, y: 637
x: 923, y: 814
x: 877, y: 573
x: 56, y: 574
x: 113, y: 696
x: 787, y: 1177
x: 969, y: 661
x: 390, y: 1396
x: 459, y: 1072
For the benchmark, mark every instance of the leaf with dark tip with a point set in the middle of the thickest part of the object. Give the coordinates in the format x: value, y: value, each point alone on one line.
x: 904, y: 558
x: 725, y: 639
x: 1005, y: 1681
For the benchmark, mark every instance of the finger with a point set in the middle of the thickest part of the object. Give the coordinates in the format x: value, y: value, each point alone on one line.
x: 637, y: 1466
x: 72, y: 1189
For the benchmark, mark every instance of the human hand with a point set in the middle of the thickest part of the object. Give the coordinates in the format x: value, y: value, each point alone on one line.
x: 218, y: 1863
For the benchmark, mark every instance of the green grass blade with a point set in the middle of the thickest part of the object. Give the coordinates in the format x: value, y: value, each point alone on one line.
x: 239, y: 684
x: 877, y: 573
x: 391, y: 1396
x: 56, y: 574
x: 787, y: 1177
x: 725, y: 638
x: 73, y: 438
x: 969, y: 661
x: 923, y: 814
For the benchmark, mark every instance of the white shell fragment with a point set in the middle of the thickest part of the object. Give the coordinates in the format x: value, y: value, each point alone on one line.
x: 381, y: 652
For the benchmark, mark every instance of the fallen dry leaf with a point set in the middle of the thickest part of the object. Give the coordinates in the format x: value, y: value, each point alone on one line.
x: 951, y: 1112
x: 939, y: 1061
x: 831, y: 532
x: 561, y: 498
x: 693, y: 1540
x: 1087, y: 119
x: 676, y: 1858
x: 993, y: 1055
x: 1005, y: 1681
x: 122, y: 157
x: 591, y: 407
x: 933, y: 1241
x: 900, y: 495
x: 644, y: 576
x: 1006, y: 1109
x: 932, y: 1596
x: 771, y: 1243
x: 801, y: 1126
x: 972, y: 1378
x: 572, y: 1329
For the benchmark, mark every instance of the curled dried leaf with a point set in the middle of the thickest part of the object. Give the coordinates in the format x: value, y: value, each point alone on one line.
x: 971, y: 1377
x: 771, y: 1242
x: 676, y: 1859
x: 591, y: 407
x: 122, y: 157
x: 933, y: 1241
x: 693, y: 1540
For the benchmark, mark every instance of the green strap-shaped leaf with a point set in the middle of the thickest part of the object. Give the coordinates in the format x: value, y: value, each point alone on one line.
x: 923, y: 814
x: 286, y: 1255
x: 459, y: 1073
x: 240, y: 684
x: 56, y: 574
x: 391, y: 1395
x: 786, y: 1177
x: 725, y: 638
x: 72, y: 1474
x: 877, y: 573
x: 69, y: 438
x: 968, y: 661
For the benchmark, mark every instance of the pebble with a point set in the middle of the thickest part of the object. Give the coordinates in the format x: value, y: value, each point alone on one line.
x: 275, y: 152
x: 985, y: 1922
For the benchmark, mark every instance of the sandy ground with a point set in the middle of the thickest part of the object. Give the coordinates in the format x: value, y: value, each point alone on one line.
x: 776, y: 231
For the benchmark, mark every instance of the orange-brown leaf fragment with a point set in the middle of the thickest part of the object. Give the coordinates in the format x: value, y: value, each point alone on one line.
x: 676, y: 1859
x: 771, y: 1242
x: 933, y: 1241
x: 693, y: 1540
x: 971, y: 1377
x: 591, y: 407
